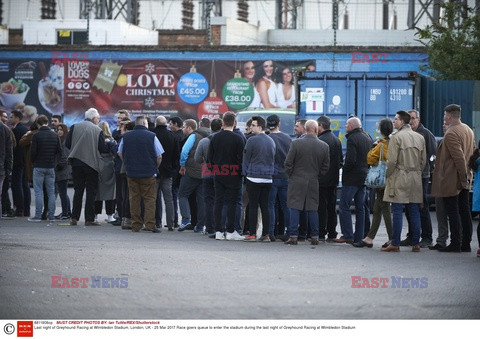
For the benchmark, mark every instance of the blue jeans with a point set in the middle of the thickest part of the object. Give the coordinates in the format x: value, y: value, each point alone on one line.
x: 188, y: 185
x: 43, y: 176
x: 357, y: 193
x: 312, y: 216
x: 397, y: 212
x: 425, y: 221
x: 279, y: 187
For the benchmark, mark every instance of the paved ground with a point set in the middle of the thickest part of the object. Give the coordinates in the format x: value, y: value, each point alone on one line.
x: 182, y: 275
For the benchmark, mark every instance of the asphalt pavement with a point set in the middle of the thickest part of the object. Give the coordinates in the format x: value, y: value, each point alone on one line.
x: 78, y: 272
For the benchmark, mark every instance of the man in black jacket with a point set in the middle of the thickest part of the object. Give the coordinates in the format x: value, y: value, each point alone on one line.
x: 45, y: 149
x: 117, y: 133
x: 7, y: 211
x: 328, y: 183
x: 6, y: 157
x: 226, y: 149
x: 175, y: 124
x: 354, y: 173
x: 20, y: 188
x: 166, y: 170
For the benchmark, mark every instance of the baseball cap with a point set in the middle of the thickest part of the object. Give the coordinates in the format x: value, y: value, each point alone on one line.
x: 273, y: 121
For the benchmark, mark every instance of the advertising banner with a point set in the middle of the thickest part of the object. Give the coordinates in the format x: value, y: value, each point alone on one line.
x: 70, y: 83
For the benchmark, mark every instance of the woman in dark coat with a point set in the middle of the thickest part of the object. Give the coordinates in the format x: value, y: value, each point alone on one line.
x: 106, y: 183
x: 63, y: 172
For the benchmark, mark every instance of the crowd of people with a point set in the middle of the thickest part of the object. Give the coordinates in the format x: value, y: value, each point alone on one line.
x: 258, y: 185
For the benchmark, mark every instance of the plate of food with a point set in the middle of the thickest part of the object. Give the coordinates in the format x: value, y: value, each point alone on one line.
x: 13, y: 92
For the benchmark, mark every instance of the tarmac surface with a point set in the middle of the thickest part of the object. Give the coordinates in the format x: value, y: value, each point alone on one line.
x: 185, y: 275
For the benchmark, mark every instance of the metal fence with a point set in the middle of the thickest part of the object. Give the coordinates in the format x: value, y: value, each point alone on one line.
x: 302, y: 14
x: 309, y: 14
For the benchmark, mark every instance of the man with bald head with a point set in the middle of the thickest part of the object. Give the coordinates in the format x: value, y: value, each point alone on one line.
x: 307, y: 159
x: 141, y: 153
x: 354, y: 172
x: 166, y: 170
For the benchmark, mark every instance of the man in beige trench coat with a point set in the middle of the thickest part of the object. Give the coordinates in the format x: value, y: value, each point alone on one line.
x: 406, y: 160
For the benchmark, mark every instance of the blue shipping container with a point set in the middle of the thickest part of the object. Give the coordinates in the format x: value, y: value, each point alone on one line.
x: 369, y: 96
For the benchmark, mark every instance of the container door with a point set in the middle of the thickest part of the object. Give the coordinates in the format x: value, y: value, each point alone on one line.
x: 332, y: 97
x: 378, y: 99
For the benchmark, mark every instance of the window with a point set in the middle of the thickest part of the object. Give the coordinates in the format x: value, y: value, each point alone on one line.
x: 69, y: 37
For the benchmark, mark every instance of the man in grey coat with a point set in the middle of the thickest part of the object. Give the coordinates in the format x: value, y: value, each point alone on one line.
x: 307, y: 159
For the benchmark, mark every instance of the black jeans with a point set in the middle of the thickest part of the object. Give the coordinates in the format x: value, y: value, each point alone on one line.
x: 226, y: 191
x: 6, y: 204
x: 465, y: 217
x: 366, y: 207
x: 209, y: 197
x: 109, y: 206
x: 258, y: 194
x: 460, y: 220
x: 175, y: 185
x: 85, y: 178
x: 62, y: 187
x: 126, y: 197
x: 20, y: 190
x: 327, y: 212
x: 119, y: 195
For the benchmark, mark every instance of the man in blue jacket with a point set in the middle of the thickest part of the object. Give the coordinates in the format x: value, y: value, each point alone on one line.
x: 141, y: 153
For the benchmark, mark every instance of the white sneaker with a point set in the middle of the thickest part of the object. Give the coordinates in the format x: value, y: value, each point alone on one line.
x: 110, y: 218
x: 219, y: 236
x: 235, y: 236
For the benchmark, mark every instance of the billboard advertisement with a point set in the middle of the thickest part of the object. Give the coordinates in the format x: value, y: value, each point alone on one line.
x: 70, y: 83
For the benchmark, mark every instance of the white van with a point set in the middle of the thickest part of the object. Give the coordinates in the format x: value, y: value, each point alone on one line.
x: 286, y: 115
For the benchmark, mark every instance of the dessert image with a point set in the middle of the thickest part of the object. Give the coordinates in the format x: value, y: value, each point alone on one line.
x: 50, y: 88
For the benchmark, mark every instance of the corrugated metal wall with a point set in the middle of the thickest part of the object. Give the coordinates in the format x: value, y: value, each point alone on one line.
x: 435, y: 95
x: 476, y: 111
